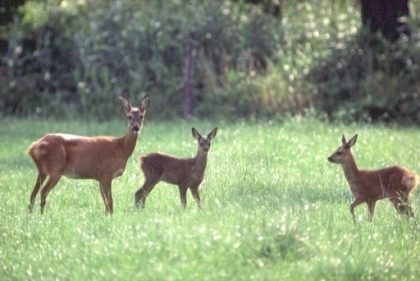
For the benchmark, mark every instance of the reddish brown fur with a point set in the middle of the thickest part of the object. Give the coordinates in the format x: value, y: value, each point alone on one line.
x: 368, y: 186
x: 184, y: 172
x: 99, y: 158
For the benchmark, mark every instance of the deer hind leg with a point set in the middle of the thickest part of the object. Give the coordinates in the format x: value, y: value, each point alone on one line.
x: 406, y: 203
x: 141, y: 194
x: 38, y: 183
x: 51, y: 182
x: 402, y: 205
x: 52, y: 163
x: 106, y: 193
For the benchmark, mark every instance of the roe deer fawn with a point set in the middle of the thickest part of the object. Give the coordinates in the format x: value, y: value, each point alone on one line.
x: 100, y: 158
x: 184, y: 172
x: 368, y: 186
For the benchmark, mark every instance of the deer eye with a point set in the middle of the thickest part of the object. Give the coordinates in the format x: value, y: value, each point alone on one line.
x: 339, y: 153
x: 129, y: 117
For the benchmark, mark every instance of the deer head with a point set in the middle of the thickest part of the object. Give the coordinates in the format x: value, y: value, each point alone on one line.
x: 204, y: 142
x: 135, y: 114
x: 344, y: 151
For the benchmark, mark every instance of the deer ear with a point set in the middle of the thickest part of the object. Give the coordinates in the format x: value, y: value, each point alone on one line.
x: 144, y: 104
x: 125, y: 103
x: 195, y: 134
x: 352, y: 141
x: 343, y: 139
x: 212, y: 134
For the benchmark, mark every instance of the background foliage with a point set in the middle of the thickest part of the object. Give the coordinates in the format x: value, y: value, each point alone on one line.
x: 72, y: 58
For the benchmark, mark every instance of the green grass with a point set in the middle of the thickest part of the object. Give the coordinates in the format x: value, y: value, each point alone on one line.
x: 273, y: 209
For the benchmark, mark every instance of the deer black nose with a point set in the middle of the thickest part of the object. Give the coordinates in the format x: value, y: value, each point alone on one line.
x: 135, y: 128
x: 330, y: 159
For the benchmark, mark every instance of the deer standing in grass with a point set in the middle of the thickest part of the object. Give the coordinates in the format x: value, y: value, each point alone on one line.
x: 100, y: 158
x: 184, y: 172
x: 368, y: 186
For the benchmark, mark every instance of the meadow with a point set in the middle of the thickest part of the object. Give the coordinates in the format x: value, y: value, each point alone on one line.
x: 273, y: 208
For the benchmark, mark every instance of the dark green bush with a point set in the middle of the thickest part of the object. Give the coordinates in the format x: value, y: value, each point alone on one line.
x: 101, y: 51
x: 370, y: 79
x: 77, y: 58
x: 37, y: 73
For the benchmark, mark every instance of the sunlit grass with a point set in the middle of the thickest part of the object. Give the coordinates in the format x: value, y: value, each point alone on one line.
x: 273, y: 209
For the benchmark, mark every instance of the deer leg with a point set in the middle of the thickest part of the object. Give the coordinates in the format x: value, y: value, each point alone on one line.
x: 38, y: 183
x: 409, y: 211
x: 51, y: 182
x: 105, y: 186
x: 196, y: 195
x: 402, y: 206
x: 141, y: 194
x: 353, y: 205
x: 406, y: 203
x: 183, y: 195
x: 103, y: 196
x: 371, y: 207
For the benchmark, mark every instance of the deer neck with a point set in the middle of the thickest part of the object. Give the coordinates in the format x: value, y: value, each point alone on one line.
x: 128, y: 142
x: 200, y: 161
x: 350, y: 169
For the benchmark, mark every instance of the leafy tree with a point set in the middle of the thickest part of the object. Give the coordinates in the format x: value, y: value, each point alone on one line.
x: 7, y: 9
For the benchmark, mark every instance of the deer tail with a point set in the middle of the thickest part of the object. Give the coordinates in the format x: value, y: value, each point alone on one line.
x: 36, y: 150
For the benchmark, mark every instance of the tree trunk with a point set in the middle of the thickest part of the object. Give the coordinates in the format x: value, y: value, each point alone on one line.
x: 384, y: 16
x: 189, y: 61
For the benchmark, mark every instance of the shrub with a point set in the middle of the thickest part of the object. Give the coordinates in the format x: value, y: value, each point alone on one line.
x: 371, y: 80
x: 37, y: 74
x: 97, y: 53
x: 76, y: 59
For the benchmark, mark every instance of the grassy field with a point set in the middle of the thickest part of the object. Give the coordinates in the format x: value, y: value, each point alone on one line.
x: 273, y: 209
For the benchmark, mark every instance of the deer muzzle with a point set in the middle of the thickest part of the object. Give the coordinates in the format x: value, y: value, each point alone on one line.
x: 135, y: 128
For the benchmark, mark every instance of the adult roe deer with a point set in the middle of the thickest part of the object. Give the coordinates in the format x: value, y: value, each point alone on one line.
x: 100, y: 158
x: 184, y: 172
x: 368, y: 186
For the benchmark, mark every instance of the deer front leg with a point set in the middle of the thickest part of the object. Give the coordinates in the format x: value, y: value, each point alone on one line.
x: 196, y: 194
x: 353, y: 205
x: 183, y: 195
x: 106, y: 193
x: 102, y: 195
